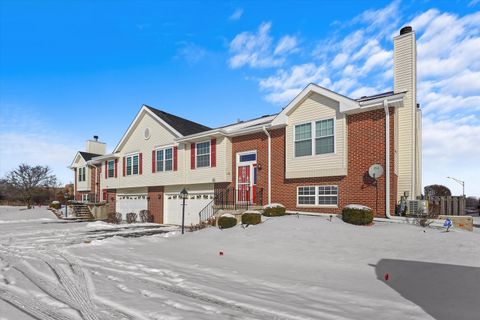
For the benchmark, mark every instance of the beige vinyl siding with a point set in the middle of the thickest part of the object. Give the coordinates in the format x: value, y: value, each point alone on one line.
x: 83, y: 185
x: 222, y: 172
x: 405, y: 80
x: 161, y: 137
x: 316, y: 107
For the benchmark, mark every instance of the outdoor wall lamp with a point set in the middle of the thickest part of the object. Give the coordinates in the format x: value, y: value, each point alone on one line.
x: 159, y: 197
x: 259, y: 166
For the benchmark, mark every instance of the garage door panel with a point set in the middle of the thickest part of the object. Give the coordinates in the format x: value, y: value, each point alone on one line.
x: 131, y: 203
x: 193, y: 205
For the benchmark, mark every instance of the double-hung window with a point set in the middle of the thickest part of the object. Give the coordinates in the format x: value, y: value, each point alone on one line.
x: 324, y: 137
x: 303, y: 140
x: 165, y: 159
x: 132, y: 165
x: 81, y: 174
x: 111, y: 168
x: 317, y: 196
x: 203, y: 154
x: 314, y: 138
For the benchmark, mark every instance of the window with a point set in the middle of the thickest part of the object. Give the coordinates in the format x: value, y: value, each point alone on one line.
x: 165, y: 159
x: 327, y: 195
x: 203, y: 154
x: 324, y: 137
x: 132, y: 165
x: 317, y: 195
x: 85, y: 197
x: 81, y: 174
x: 303, y: 140
x: 111, y: 168
x: 306, y: 195
x: 248, y: 157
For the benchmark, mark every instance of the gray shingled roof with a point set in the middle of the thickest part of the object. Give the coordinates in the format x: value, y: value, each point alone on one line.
x: 376, y: 96
x: 87, y: 156
x: 184, y: 126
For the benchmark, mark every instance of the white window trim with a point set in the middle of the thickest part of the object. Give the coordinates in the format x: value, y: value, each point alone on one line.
x: 209, y: 158
x: 313, y: 137
x: 82, y: 177
x: 131, y: 155
x: 164, y: 159
x: 244, y: 153
x: 317, y: 205
x: 108, y: 170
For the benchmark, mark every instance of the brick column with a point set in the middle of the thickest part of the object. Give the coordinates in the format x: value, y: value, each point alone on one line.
x: 155, y: 203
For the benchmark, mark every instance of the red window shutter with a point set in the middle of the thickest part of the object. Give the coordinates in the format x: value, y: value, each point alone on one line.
x: 106, y: 169
x: 140, y: 163
x: 116, y: 167
x: 192, y: 156
x: 213, y: 152
x: 175, y: 161
x: 154, y: 161
x: 124, y: 165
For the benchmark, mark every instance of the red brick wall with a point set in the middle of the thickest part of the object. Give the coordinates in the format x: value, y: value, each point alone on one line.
x: 256, y: 141
x: 112, y: 200
x: 155, y: 203
x: 366, y: 146
x: 366, y: 140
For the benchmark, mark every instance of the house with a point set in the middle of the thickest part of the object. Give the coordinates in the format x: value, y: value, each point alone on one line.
x: 313, y: 156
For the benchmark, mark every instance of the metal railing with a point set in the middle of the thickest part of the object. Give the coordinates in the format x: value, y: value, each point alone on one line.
x: 231, y: 199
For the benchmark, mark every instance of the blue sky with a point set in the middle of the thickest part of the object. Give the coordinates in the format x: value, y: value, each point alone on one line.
x: 72, y: 69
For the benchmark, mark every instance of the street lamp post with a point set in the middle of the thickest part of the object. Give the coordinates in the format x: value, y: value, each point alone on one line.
x: 462, y: 183
x: 183, y: 195
x: 66, y: 204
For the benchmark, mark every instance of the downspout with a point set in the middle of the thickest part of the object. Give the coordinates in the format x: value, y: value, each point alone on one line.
x: 387, y: 159
x: 269, y: 164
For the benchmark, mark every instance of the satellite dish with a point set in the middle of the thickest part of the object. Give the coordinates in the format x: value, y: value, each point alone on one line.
x: 375, y: 171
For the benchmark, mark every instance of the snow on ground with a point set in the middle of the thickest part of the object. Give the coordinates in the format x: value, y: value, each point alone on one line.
x: 286, y: 268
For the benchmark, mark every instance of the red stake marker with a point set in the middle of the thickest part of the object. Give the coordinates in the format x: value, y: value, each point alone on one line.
x: 386, y: 276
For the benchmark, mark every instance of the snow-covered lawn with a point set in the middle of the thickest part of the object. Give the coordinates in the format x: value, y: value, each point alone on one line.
x: 286, y: 268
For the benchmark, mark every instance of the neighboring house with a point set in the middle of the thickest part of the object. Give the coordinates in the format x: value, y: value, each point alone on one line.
x: 313, y: 156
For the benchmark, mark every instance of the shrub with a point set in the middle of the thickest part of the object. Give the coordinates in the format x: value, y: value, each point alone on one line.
x: 357, y: 215
x: 274, y: 210
x: 131, y: 217
x: 227, y: 221
x: 55, y: 205
x: 251, y: 218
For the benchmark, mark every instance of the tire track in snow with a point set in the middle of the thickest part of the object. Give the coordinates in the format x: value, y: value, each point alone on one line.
x: 257, y: 312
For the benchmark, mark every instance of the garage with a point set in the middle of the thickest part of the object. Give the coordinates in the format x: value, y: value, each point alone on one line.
x: 194, y: 203
x: 131, y: 203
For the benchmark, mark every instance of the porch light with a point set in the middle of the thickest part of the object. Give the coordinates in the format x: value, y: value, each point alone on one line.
x: 183, y: 196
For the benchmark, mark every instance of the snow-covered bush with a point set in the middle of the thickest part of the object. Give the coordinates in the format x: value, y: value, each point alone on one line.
x: 251, y: 217
x: 227, y: 221
x: 274, y: 210
x: 55, y: 205
x: 357, y: 214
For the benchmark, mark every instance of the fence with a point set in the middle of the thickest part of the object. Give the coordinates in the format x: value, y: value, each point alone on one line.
x: 447, y: 205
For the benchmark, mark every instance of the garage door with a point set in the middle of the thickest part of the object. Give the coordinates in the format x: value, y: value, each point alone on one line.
x: 131, y: 203
x: 193, y: 205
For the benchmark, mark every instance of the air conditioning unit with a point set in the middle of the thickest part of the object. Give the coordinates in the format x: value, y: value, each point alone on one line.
x: 417, y: 207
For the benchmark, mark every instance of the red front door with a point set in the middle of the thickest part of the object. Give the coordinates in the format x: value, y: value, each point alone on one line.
x: 243, y: 180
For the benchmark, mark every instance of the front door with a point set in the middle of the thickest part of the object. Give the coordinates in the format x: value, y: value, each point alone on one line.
x: 246, y: 177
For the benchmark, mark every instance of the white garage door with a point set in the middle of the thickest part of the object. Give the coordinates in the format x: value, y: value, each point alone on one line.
x: 131, y: 203
x: 193, y: 205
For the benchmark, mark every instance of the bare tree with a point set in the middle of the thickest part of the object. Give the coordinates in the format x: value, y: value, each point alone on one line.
x: 28, y: 180
x: 437, y: 190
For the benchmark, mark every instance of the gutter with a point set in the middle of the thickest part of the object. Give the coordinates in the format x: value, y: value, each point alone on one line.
x: 387, y: 159
x: 269, y: 164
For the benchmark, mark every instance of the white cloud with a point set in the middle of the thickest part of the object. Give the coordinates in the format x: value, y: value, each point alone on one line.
x: 191, y: 52
x: 257, y: 50
x: 285, y: 45
x: 236, y: 15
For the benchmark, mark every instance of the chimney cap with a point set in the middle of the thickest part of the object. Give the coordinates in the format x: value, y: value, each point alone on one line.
x: 95, y: 138
x: 405, y: 30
